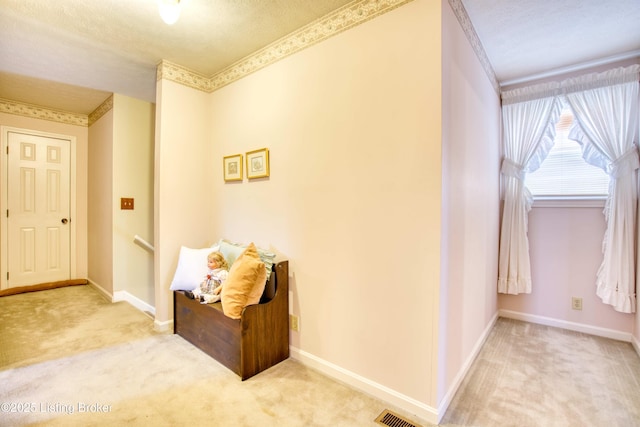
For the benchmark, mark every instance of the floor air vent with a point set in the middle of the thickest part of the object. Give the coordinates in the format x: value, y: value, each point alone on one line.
x: 388, y: 418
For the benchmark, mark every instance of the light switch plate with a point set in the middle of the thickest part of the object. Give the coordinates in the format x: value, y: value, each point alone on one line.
x: 126, y: 203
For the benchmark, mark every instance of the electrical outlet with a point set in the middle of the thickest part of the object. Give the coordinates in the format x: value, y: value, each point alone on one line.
x: 294, y: 322
x: 576, y: 303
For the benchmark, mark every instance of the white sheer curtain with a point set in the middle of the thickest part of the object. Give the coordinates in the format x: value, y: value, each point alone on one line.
x: 528, y: 118
x: 605, y: 107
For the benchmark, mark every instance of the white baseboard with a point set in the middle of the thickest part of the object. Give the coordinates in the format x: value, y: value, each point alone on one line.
x: 134, y: 301
x: 365, y: 385
x: 165, y: 326
x: 636, y: 344
x: 106, y: 294
x: 421, y: 410
x: 564, y: 324
x: 446, y: 401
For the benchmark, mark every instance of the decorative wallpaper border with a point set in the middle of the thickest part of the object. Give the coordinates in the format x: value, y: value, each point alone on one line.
x: 103, y: 109
x: 472, y: 36
x: 37, y: 112
x: 179, y: 74
x: 344, y: 18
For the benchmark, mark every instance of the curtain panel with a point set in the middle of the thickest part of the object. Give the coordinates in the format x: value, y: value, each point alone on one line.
x: 605, y: 107
x: 529, y: 131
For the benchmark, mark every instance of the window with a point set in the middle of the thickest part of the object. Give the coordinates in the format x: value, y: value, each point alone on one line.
x: 564, y: 174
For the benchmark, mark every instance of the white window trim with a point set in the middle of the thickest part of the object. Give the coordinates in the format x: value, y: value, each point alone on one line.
x: 569, y: 202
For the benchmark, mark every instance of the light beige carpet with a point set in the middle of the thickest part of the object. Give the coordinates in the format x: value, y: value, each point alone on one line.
x: 539, y: 376
x: 75, y: 359
x: 82, y: 361
x: 46, y: 325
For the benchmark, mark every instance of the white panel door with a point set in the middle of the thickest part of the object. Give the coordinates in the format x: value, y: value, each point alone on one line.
x: 38, y: 204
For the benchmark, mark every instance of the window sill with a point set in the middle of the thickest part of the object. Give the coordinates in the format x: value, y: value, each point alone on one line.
x: 569, y: 202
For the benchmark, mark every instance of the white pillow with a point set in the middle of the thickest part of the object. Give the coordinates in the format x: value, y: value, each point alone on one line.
x: 192, y: 268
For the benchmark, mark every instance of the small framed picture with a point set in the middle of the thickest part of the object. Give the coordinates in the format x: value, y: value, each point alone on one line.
x: 258, y: 163
x: 232, y: 166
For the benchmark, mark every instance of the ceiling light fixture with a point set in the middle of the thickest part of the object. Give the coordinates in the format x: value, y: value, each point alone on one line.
x: 169, y: 10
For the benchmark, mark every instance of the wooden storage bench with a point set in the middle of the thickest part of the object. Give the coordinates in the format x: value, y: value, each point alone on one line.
x: 249, y: 345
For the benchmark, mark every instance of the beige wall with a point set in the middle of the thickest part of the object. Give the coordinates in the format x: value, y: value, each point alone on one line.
x: 365, y: 133
x: 121, y: 165
x: 133, y: 151
x: 353, y: 200
x: 81, y: 136
x: 100, y: 203
x: 566, y: 252
x: 184, y: 193
x: 470, y: 206
x: 636, y: 327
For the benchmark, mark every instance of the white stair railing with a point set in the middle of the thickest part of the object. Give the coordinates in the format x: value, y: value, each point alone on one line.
x: 143, y: 243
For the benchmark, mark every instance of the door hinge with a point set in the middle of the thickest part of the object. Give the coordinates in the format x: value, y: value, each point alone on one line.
x: 7, y: 275
x: 7, y: 213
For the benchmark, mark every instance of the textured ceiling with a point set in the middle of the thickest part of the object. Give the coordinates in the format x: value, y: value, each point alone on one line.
x: 524, y: 38
x: 95, y: 47
x: 58, y: 96
x: 115, y: 45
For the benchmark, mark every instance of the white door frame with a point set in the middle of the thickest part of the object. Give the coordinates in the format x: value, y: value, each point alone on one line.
x: 4, y: 173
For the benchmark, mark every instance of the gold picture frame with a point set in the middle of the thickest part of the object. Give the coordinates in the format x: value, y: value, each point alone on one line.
x: 257, y: 163
x: 232, y: 167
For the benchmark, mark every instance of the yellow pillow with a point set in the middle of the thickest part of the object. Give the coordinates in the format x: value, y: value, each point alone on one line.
x: 245, y: 283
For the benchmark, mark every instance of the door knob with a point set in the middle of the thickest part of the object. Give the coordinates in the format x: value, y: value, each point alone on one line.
x: 64, y: 220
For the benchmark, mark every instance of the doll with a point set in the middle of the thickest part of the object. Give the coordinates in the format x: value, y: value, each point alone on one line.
x: 209, y: 290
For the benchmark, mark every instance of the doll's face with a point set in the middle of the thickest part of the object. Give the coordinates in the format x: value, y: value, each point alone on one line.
x: 212, y: 263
